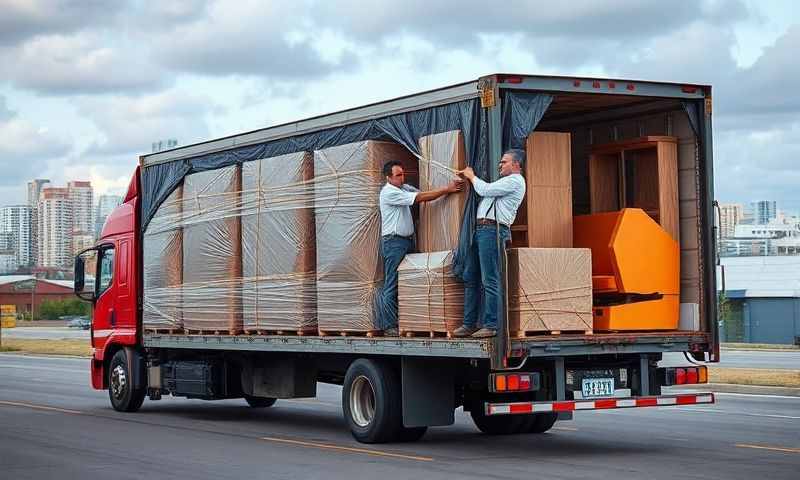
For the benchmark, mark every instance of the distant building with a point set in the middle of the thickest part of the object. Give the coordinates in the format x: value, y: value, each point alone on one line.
x: 730, y: 216
x: 164, y: 145
x: 105, y: 205
x: 762, y: 299
x: 760, y: 212
x: 55, y: 228
x: 81, y: 198
x: 764, y: 239
x: 27, y: 292
x: 16, y: 220
x: 81, y: 242
x: 34, y: 191
x: 8, y: 261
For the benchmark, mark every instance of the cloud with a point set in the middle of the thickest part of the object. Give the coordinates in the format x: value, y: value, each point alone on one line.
x: 129, y: 124
x: 79, y: 64
x: 23, y: 20
x: 25, y: 148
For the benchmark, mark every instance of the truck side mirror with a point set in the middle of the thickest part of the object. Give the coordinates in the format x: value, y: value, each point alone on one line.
x: 80, y: 274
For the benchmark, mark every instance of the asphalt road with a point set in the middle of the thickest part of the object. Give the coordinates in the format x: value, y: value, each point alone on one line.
x: 766, y: 359
x: 52, y: 425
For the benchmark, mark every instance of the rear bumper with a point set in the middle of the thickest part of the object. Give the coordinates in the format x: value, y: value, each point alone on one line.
x: 597, y: 404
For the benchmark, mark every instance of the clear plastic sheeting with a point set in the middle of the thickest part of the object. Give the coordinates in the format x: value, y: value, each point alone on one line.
x: 442, y: 155
x: 549, y: 290
x: 278, y: 244
x: 212, y: 260
x: 431, y: 298
x: 348, y: 179
x: 163, y: 266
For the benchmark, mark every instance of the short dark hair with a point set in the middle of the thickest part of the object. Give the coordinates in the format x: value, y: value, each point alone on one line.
x: 387, y: 167
x: 517, y: 155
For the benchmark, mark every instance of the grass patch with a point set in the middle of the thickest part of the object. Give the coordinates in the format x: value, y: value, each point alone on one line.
x: 5, y: 348
x: 759, y: 346
x: 77, y: 347
x: 754, y: 376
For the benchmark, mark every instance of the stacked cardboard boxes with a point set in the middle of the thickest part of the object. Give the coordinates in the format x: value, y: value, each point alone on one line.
x: 549, y: 290
x: 430, y: 297
x: 163, y: 266
x: 278, y: 244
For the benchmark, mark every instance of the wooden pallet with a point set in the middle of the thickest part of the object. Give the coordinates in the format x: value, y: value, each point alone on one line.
x: 164, y: 331
x: 540, y: 333
x: 424, y: 333
x: 351, y: 333
x: 301, y: 332
x: 192, y: 331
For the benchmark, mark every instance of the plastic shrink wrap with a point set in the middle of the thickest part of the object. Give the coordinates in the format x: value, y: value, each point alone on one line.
x: 163, y: 266
x: 431, y: 298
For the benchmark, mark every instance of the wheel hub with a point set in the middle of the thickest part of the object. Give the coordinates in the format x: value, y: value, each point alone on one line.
x: 119, y: 381
x: 362, y: 401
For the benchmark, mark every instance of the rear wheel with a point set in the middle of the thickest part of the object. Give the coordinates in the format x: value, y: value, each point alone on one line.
x: 539, y: 422
x: 121, y: 390
x: 259, y: 402
x: 372, y: 404
x: 497, y: 425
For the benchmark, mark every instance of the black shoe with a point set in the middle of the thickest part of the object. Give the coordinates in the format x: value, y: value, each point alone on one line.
x: 463, y: 331
x: 485, y: 333
x: 391, y: 332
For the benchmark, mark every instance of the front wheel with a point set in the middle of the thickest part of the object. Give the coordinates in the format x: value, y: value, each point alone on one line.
x: 259, y: 402
x: 121, y: 390
x: 371, y: 402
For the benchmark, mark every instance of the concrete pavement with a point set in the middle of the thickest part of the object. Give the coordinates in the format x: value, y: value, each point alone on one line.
x: 52, y: 425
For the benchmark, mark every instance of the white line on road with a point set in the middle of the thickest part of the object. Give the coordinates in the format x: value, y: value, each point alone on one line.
x: 747, y: 414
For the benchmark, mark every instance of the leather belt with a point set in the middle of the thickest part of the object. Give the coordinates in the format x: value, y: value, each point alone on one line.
x: 392, y: 235
x: 489, y: 221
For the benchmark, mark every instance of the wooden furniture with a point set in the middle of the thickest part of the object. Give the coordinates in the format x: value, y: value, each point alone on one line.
x: 639, y: 173
x: 545, y: 217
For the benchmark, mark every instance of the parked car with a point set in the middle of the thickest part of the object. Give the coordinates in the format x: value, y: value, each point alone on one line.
x: 80, y: 322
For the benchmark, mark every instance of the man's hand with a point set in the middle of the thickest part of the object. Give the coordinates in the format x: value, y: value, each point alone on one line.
x: 455, y: 186
x: 467, y: 173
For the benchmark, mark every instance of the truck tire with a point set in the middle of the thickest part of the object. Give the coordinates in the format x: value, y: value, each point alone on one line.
x: 124, y: 397
x: 539, y: 422
x: 497, y: 425
x: 371, y: 402
x: 259, y: 402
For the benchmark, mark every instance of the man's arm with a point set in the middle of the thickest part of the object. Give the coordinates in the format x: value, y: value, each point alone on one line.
x: 454, y: 186
x: 501, y: 187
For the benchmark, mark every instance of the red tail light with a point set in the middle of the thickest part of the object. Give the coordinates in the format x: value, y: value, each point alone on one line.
x: 513, y: 382
x: 680, y: 376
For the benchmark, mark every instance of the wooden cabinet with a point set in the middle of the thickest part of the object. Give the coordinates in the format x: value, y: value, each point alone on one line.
x: 545, y: 217
x: 639, y: 173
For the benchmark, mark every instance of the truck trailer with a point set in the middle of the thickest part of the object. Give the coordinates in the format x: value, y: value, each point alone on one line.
x: 637, y: 150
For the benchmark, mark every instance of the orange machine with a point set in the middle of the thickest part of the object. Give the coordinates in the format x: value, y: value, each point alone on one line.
x: 635, y: 270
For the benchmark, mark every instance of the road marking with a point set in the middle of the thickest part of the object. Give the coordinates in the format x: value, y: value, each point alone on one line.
x: 363, y: 451
x: 40, y: 407
x: 775, y: 449
x: 566, y: 429
x: 746, y: 414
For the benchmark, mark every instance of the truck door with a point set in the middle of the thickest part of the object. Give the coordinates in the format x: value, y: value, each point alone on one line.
x: 105, y: 317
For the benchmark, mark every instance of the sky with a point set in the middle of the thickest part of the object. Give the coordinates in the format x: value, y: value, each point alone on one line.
x: 86, y: 86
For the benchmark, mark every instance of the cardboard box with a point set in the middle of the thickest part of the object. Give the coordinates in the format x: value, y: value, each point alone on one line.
x: 348, y: 179
x: 278, y: 244
x: 550, y: 290
x: 212, y: 257
x: 162, y: 247
x: 430, y: 297
x: 440, y: 220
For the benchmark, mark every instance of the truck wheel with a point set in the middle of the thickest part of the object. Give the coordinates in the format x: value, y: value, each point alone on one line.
x: 411, y: 434
x: 539, y: 422
x: 124, y: 397
x: 497, y: 425
x: 371, y: 402
x: 259, y: 402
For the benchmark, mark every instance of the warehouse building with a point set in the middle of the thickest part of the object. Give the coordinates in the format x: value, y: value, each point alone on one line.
x: 26, y: 291
x: 761, y: 302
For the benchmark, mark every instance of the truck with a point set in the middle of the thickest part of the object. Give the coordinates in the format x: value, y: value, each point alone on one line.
x: 394, y: 388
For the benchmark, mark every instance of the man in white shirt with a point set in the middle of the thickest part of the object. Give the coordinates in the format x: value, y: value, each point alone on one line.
x: 397, y: 231
x: 499, y: 203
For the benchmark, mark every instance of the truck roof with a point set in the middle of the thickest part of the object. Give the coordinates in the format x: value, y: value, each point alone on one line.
x: 632, y: 89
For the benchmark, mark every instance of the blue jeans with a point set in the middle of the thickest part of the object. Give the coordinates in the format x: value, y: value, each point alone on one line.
x: 482, y: 269
x: 394, y: 249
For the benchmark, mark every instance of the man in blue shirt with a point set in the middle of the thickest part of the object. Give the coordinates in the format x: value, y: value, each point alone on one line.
x: 397, y: 231
x: 499, y: 203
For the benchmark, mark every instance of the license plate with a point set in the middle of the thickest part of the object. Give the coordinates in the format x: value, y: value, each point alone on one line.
x: 598, y: 387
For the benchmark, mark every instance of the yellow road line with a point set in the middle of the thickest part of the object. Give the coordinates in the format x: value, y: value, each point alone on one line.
x: 362, y: 451
x: 775, y: 449
x: 40, y: 407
